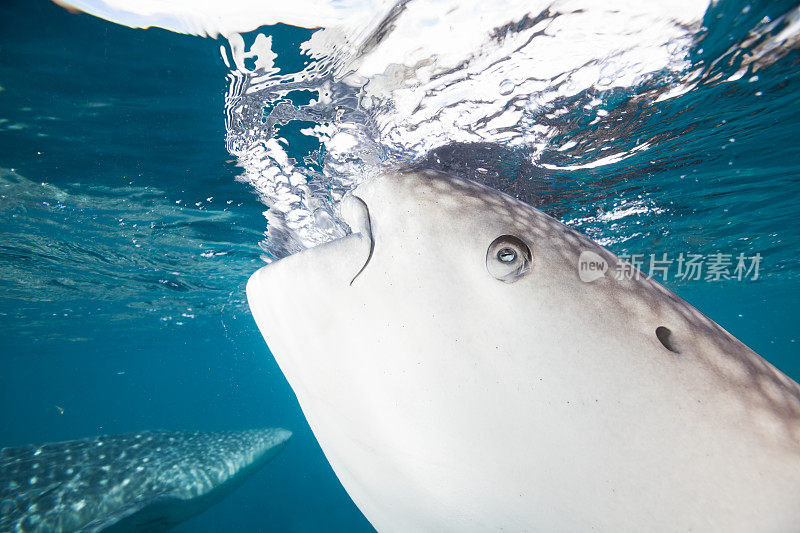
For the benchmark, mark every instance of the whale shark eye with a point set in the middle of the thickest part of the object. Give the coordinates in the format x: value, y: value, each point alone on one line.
x: 506, y: 255
x: 508, y: 258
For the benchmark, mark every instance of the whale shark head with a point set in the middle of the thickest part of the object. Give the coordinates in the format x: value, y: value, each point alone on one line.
x: 461, y: 374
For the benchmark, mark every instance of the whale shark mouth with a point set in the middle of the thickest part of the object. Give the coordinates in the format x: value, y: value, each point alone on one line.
x: 356, y: 213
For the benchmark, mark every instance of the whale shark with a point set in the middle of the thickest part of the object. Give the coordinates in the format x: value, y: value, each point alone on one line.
x: 132, y: 482
x: 459, y: 375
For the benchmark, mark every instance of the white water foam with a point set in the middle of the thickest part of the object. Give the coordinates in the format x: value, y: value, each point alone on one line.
x: 391, y: 82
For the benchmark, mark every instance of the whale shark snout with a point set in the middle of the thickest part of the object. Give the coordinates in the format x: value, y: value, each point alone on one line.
x: 470, y: 380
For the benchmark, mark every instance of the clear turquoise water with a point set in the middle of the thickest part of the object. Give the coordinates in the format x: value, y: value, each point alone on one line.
x: 126, y: 241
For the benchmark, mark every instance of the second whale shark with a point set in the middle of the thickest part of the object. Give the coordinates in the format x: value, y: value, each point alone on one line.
x: 131, y: 482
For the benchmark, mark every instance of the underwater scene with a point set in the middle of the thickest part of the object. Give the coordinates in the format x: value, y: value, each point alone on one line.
x: 426, y: 346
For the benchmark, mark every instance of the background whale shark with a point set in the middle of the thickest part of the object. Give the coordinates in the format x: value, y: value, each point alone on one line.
x: 147, y: 481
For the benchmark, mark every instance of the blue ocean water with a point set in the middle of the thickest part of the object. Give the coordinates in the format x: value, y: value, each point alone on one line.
x: 114, y: 135
x: 127, y: 240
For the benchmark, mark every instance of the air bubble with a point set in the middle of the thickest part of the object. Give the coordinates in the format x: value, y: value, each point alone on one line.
x: 506, y: 87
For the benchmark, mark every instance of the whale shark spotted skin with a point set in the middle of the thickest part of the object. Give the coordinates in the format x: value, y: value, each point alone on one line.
x: 148, y: 481
x: 460, y: 376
